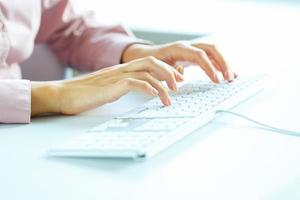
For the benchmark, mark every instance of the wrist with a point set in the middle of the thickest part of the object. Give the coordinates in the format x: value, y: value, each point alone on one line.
x: 135, y: 51
x: 45, y: 98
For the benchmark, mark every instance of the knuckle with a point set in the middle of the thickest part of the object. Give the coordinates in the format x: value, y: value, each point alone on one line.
x: 150, y: 59
x: 200, y: 52
x: 212, y: 46
x: 127, y: 82
x: 180, y: 44
x: 171, y: 74
x: 162, y: 89
x: 143, y: 75
x: 145, y: 85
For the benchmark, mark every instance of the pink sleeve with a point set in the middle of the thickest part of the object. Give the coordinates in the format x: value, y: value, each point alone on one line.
x: 77, y: 42
x: 15, y: 101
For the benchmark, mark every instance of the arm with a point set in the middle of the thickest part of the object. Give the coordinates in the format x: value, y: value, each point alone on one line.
x: 20, y: 99
x: 77, y: 42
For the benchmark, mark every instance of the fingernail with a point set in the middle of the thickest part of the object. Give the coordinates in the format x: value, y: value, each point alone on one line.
x: 179, y: 79
x: 174, y: 87
x: 154, y: 92
x: 217, y: 79
x: 169, y: 101
x: 180, y: 76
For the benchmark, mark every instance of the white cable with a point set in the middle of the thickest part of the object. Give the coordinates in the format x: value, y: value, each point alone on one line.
x: 268, y: 127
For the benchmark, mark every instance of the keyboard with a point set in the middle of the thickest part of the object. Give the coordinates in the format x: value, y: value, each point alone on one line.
x: 152, y: 127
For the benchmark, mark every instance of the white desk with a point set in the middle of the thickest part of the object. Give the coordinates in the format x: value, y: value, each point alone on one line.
x: 227, y: 159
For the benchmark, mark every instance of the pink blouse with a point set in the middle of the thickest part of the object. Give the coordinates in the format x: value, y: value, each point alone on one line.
x: 74, y: 39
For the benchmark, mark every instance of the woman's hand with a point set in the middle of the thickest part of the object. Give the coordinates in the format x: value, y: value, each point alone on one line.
x: 89, y: 91
x: 206, y: 56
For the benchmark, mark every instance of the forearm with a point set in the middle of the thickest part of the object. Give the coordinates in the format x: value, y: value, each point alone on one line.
x: 44, y: 98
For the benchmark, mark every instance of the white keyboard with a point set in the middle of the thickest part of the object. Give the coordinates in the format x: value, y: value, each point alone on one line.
x: 151, y: 127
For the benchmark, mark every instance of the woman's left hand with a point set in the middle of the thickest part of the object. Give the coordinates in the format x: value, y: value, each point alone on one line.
x: 207, y: 56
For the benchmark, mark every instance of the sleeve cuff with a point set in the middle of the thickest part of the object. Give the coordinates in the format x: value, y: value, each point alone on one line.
x: 15, y: 101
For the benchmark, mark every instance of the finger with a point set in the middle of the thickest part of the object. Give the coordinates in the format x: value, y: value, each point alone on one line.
x: 178, y: 76
x: 159, y: 69
x: 162, y: 90
x: 123, y: 86
x: 219, y: 67
x: 162, y: 71
x: 180, y: 69
x: 215, y: 55
x: 198, y: 56
x: 225, y: 75
x: 178, y: 72
x: 145, y: 76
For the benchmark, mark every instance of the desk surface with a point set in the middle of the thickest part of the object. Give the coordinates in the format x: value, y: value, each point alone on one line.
x: 227, y: 159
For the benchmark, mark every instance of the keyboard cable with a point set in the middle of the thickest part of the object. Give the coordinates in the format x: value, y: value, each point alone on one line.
x: 266, y: 126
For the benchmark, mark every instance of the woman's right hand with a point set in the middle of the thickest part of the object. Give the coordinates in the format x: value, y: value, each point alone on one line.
x: 104, y: 86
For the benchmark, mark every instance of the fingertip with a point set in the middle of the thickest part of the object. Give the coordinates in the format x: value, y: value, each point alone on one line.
x: 154, y: 92
x: 166, y: 101
x: 226, y: 75
x: 180, y: 69
x: 179, y: 79
x: 178, y: 76
x: 216, y: 78
x: 172, y: 85
x: 232, y: 76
